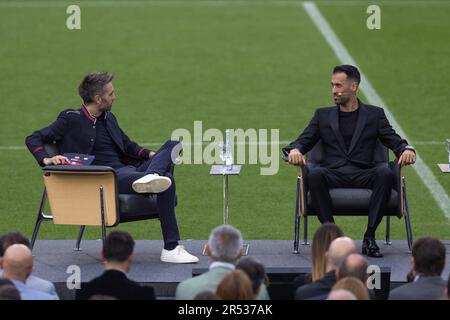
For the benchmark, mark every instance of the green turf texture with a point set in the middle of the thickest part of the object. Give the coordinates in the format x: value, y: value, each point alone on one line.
x: 246, y: 66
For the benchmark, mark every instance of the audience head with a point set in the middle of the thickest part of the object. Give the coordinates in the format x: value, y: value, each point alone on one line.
x: 225, y: 244
x: 118, y: 248
x: 354, y: 285
x: 206, y: 295
x: 339, y: 249
x: 354, y: 265
x: 9, y: 239
x: 255, y: 271
x: 17, y: 262
x: 341, y: 294
x: 8, y: 291
x: 324, y: 235
x: 235, y: 285
x: 428, y: 256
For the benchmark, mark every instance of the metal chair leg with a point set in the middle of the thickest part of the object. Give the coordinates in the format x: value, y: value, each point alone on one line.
x: 80, y: 235
x: 102, y: 212
x: 388, y: 241
x: 297, y: 218
x: 39, y: 219
x: 409, y: 235
x: 305, y: 230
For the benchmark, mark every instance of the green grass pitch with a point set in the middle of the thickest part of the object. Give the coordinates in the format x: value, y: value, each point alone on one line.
x: 245, y: 64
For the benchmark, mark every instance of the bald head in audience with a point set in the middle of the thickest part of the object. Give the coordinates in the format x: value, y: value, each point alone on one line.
x: 341, y: 294
x: 339, y: 249
x: 17, y: 262
x: 354, y: 265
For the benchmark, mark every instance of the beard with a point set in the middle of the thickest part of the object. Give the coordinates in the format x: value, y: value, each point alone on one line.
x: 340, y: 100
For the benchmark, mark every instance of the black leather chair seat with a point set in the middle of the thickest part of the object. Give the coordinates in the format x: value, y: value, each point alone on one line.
x: 355, y: 201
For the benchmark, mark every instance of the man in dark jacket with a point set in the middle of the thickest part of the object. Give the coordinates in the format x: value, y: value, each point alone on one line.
x: 349, y: 132
x: 117, y: 254
x: 428, y: 262
x: 94, y: 130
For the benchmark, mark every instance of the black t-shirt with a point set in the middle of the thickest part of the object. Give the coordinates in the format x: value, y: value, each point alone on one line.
x: 105, y: 150
x: 347, y: 124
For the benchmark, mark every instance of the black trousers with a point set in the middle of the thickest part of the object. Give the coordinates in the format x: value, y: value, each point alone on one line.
x: 165, y: 201
x: 379, y: 179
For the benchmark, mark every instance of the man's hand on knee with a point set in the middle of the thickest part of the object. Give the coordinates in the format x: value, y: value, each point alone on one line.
x: 296, y: 157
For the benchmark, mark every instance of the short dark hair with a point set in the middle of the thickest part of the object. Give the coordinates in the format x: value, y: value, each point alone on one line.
x: 255, y: 271
x: 11, y: 238
x: 118, y: 246
x: 429, y: 256
x: 352, y: 72
x: 93, y: 84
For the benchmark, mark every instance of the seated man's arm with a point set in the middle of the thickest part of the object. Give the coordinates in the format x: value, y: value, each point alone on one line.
x: 305, y: 142
x: 404, y: 152
x: 54, y: 132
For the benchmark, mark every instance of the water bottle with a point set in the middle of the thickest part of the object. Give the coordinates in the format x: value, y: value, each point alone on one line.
x: 228, y: 150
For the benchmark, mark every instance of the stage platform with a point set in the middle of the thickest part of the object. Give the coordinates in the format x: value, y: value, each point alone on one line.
x: 53, y: 257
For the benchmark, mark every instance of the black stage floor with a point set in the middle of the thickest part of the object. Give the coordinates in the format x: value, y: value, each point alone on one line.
x: 55, y: 261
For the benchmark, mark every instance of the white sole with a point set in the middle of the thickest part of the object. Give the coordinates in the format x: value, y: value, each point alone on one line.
x: 156, y: 185
x: 172, y: 261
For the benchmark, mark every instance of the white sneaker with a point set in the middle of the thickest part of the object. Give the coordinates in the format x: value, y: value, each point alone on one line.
x: 151, y: 183
x: 178, y: 255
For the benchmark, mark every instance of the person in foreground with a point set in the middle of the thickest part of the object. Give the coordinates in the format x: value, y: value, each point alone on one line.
x: 93, y: 129
x: 349, y: 132
x: 117, y: 254
x: 428, y: 262
x: 224, y: 247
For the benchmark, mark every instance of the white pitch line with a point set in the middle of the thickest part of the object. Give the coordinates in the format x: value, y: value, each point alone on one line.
x: 204, y: 143
x: 430, y: 181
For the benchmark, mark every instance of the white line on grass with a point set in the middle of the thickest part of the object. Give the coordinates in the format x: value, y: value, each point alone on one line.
x: 281, y: 143
x: 430, y: 181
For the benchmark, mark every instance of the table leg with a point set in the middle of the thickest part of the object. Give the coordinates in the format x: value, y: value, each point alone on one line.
x: 225, y: 199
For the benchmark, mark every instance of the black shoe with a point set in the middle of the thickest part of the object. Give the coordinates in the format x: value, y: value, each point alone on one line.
x: 371, y: 249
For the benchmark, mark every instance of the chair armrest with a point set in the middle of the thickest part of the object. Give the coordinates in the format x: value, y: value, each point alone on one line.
x: 67, y: 168
x: 398, y: 183
x: 301, y: 186
x: 397, y: 171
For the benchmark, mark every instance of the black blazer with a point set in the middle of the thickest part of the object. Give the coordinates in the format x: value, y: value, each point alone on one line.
x: 116, y: 284
x: 371, y: 125
x: 74, y: 132
x: 317, y: 288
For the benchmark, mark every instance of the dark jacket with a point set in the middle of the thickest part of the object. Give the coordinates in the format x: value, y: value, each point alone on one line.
x: 74, y: 132
x: 371, y: 125
x: 317, y: 288
x: 116, y: 284
x: 424, y: 288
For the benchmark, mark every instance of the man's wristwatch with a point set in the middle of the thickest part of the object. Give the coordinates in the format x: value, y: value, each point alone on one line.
x: 409, y: 147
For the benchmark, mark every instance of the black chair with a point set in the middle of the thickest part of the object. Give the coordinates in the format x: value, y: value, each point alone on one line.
x: 87, y: 195
x: 351, y: 201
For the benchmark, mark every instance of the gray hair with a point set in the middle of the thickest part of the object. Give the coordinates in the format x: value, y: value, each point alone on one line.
x: 93, y: 84
x: 225, y: 243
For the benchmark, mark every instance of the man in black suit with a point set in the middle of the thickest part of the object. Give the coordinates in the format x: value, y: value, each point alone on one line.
x: 349, y: 132
x: 117, y: 254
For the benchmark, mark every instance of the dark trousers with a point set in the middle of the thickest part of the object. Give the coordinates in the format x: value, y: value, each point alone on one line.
x: 160, y: 163
x: 379, y: 179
